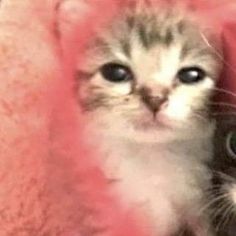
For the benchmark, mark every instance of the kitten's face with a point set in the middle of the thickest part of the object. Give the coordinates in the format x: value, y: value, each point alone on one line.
x: 148, y: 72
x: 225, y: 175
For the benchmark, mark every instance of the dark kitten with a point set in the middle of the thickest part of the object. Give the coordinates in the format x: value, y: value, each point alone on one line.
x: 224, y: 182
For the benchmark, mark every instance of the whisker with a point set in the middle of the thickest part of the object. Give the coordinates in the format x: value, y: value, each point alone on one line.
x: 223, y: 104
x: 199, y: 117
x: 228, y: 215
x: 224, y: 114
x: 218, y: 54
x: 213, y: 191
x: 214, y: 201
x: 224, y: 217
x: 228, y: 92
x: 224, y: 176
x: 216, y: 214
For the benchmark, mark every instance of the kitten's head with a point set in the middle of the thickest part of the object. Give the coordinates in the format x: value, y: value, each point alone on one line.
x: 224, y: 169
x: 148, y: 73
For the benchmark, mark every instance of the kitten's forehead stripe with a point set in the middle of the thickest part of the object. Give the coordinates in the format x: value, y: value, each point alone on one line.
x: 180, y: 26
x: 126, y: 47
x: 151, y: 30
x: 130, y: 20
x: 143, y: 36
x: 148, y: 30
x: 169, y: 37
x: 185, y: 51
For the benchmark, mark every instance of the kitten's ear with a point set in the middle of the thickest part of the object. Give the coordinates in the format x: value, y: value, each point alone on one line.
x: 70, y: 13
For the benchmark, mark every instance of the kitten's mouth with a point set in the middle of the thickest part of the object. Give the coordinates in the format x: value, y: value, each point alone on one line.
x: 155, y: 121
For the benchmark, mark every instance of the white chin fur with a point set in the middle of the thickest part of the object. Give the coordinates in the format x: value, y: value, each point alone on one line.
x: 148, y: 131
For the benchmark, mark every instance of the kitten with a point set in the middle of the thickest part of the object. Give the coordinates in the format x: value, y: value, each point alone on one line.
x: 145, y: 83
x: 224, y: 167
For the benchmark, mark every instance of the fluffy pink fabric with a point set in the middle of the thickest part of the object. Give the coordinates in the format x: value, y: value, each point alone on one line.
x: 49, y: 184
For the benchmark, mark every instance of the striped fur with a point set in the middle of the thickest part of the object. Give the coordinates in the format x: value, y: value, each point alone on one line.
x: 158, y: 161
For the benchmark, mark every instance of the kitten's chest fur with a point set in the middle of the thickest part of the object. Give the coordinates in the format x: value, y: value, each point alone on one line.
x: 162, y: 182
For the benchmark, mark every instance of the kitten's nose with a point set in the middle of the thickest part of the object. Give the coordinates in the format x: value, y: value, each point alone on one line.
x: 154, y: 99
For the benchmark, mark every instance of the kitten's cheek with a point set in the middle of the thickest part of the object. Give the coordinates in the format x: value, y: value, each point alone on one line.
x: 176, y: 111
x: 121, y: 89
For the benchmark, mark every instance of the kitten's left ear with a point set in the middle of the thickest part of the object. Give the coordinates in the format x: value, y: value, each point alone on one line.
x: 73, y: 15
x: 70, y: 13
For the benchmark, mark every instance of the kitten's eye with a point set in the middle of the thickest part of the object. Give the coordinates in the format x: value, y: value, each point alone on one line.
x: 190, y: 75
x: 116, y: 73
x: 231, y: 144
